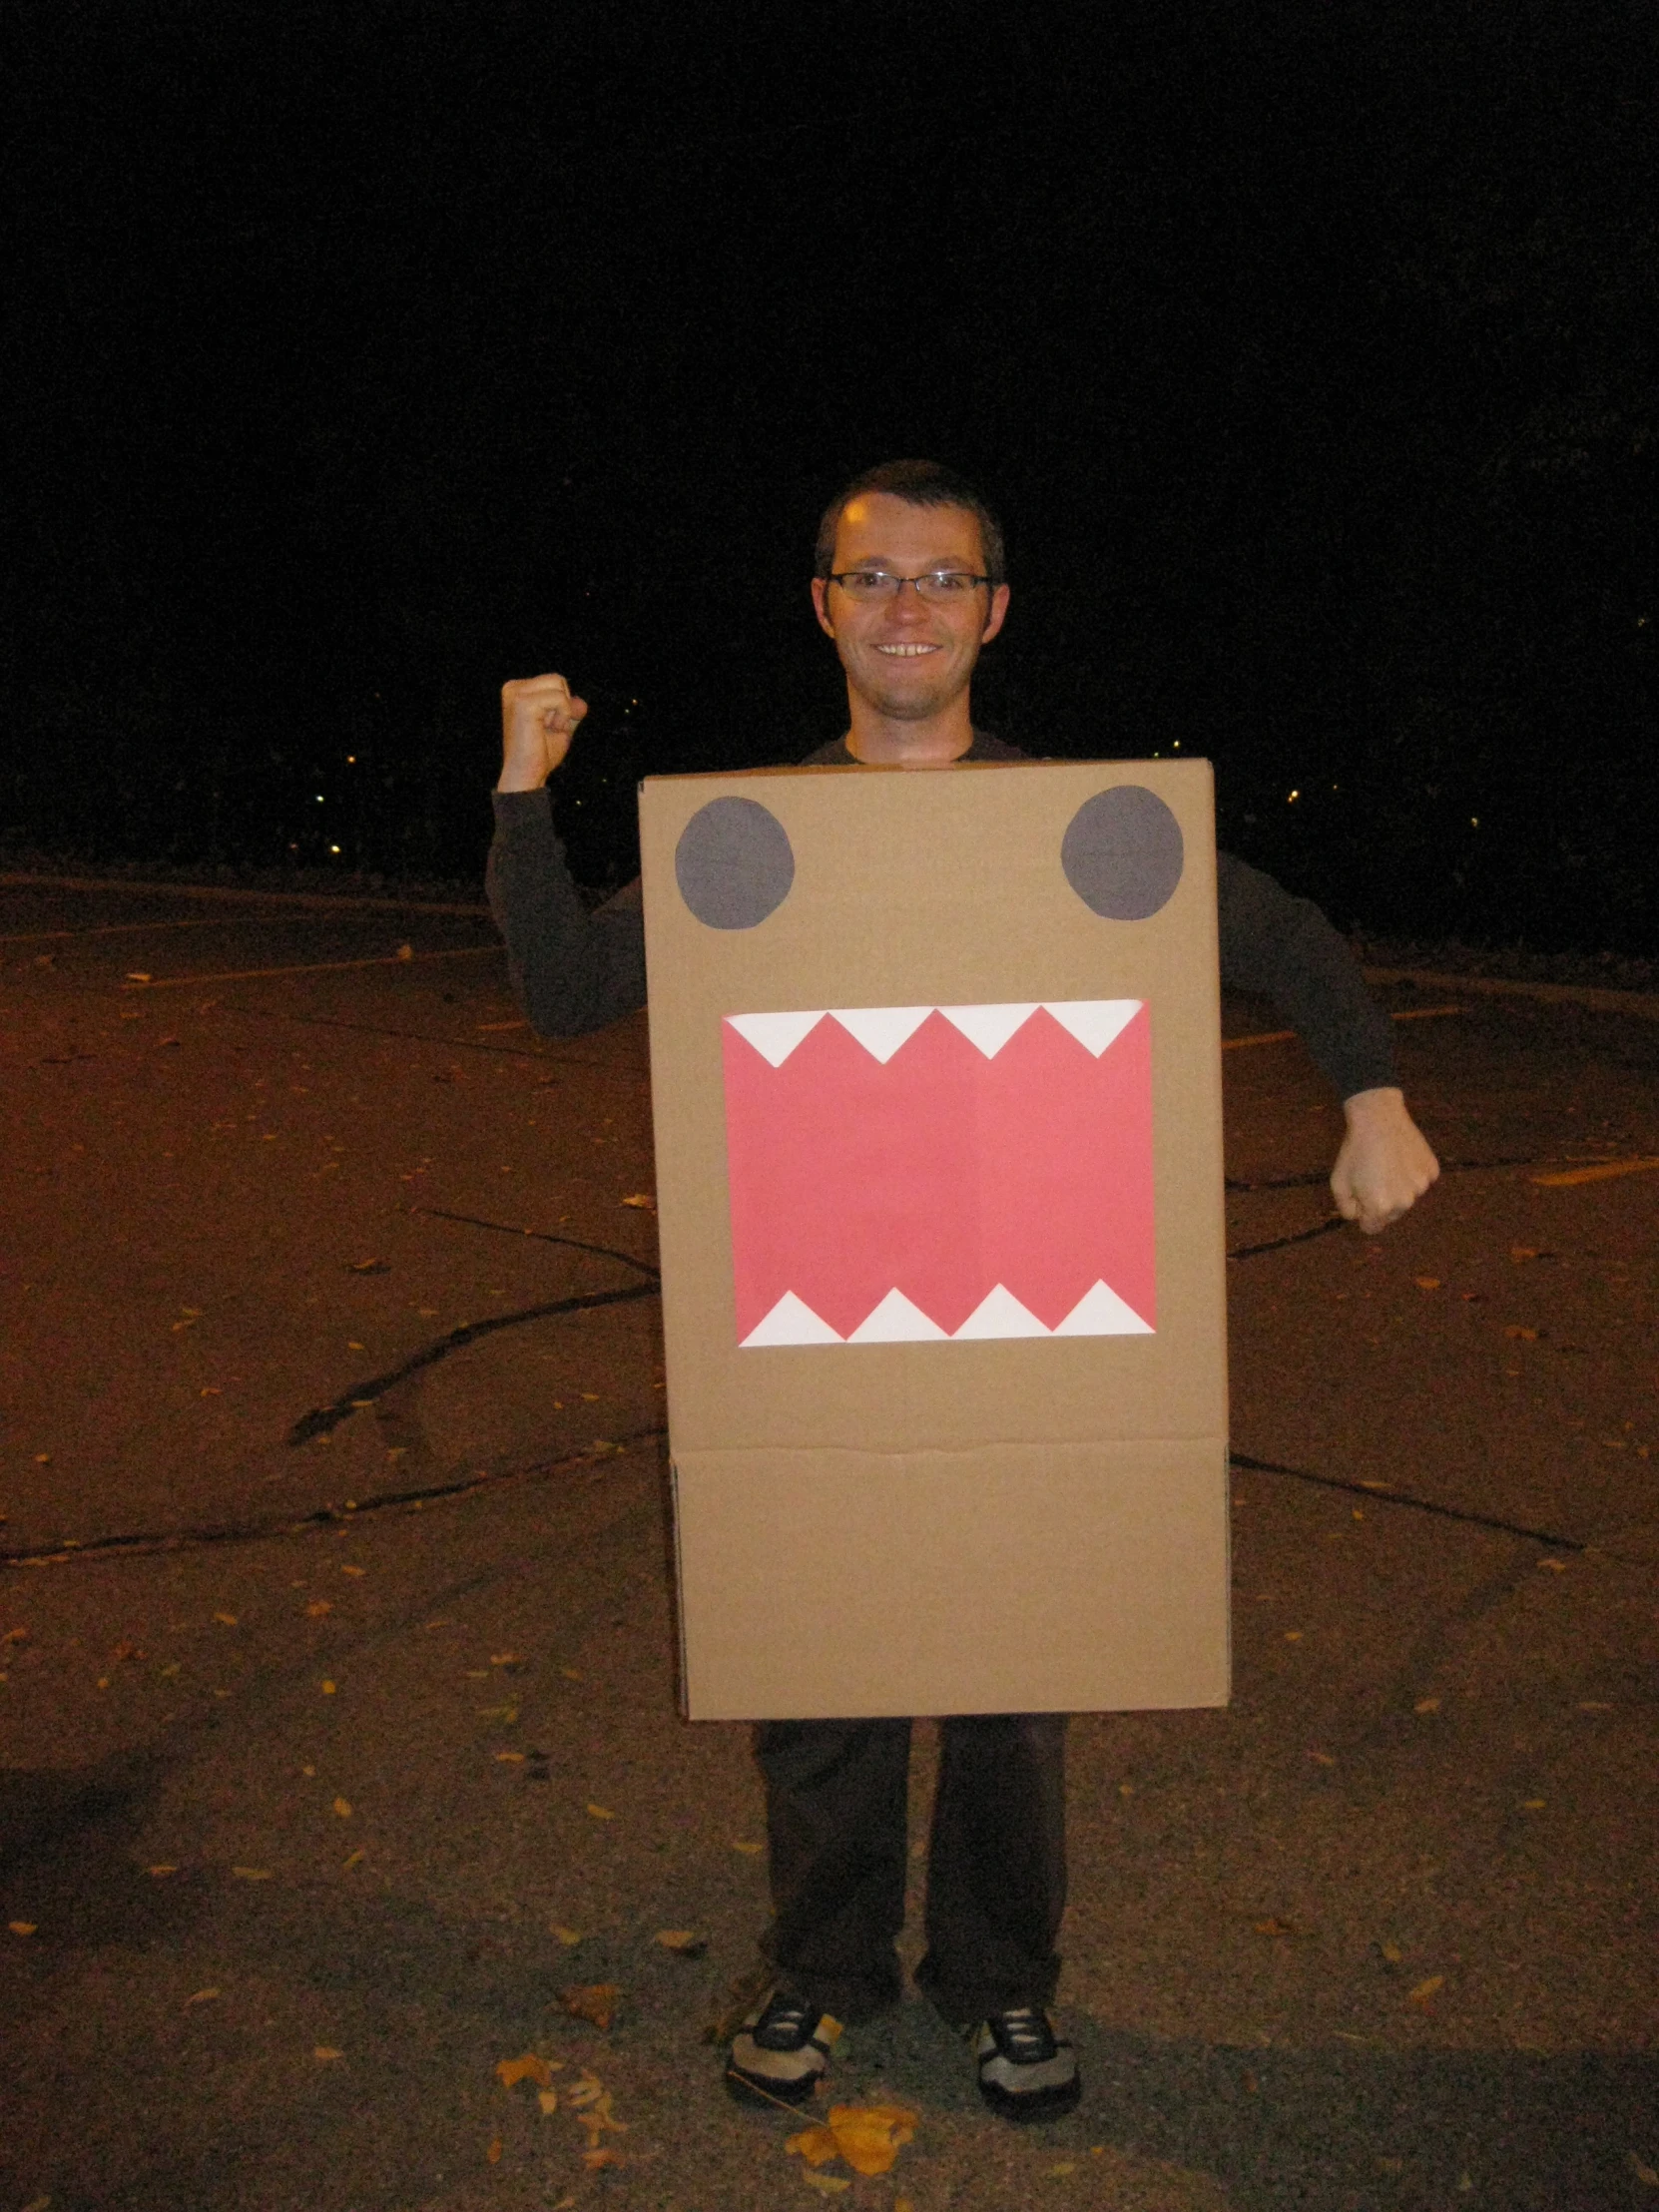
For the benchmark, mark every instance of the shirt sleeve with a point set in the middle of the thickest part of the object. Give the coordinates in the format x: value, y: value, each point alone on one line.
x: 572, y: 970
x: 1285, y: 949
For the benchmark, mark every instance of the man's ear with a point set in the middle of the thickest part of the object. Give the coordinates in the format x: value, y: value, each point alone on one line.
x: 821, y: 594
x: 993, y: 621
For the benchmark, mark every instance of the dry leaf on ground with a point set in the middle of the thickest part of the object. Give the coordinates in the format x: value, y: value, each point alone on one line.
x: 528, y: 2068
x: 201, y: 1996
x: 600, y: 1812
x: 493, y: 2154
x: 827, y: 2185
x: 685, y: 1941
x: 343, y: 1806
x: 594, y: 2159
x: 252, y: 1874
x: 597, y: 2117
x: 548, y: 2100
x: 868, y: 2136
x: 588, y: 2086
x: 566, y: 1936
x: 23, y: 1927
x: 591, y: 2000
x: 326, y: 2050
x: 1425, y: 1989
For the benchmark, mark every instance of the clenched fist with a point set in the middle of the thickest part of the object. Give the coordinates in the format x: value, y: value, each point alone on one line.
x: 1384, y: 1165
x: 539, y: 715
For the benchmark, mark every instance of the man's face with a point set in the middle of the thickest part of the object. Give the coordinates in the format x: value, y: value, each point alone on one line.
x: 909, y: 657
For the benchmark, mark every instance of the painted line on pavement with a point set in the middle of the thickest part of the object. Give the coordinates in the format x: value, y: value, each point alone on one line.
x: 238, y: 895
x: 310, y: 967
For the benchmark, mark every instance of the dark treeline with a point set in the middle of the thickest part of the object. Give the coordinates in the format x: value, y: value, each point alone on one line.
x: 372, y: 355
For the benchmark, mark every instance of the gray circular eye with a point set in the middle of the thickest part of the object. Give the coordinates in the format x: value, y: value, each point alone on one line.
x: 1123, y: 854
x: 734, y: 863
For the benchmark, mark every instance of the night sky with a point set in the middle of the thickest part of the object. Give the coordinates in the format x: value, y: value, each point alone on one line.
x: 372, y: 352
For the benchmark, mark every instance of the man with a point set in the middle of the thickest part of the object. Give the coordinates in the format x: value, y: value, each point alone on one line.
x: 910, y: 586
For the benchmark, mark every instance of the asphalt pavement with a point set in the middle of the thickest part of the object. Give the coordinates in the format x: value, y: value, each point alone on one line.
x: 340, y: 1745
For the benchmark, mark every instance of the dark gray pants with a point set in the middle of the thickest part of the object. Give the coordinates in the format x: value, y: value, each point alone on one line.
x: 996, y: 1876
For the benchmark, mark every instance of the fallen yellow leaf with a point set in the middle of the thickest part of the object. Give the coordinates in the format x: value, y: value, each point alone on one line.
x: 548, y: 2100
x: 357, y: 1859
x: 591, y: 2000
x: 318, y: 1607
x: 230, y: 1619
x: 1603, y: 1173
x: 594, y: 2159
x: 868, y: 2136
x: 683, y: 1940
x: 328, y: 1688
x: 326, y: 2050
x: 1065, y: 2166
x: 566, y: 1936
x: 23, y: 1927
x: 597, y: 2117
x: 530, y: 2067
x: 510, y: 1758
x: 1427, y: 1704
x: 1427, y: 1282
x: 750, y: 1851
x: 359, y: 1571
x: 343, y: 1806
x: 252, y: 1874
x: 818, y: 2145
x: 827, y: 2185
x: 201, y: 1996
x: 1392, y: 1953
x: 588, y: 2087
x: 1425, y: 1989
x: 1643, y: 2172
x: 493, y: 2154
x: 159, y: 1870
x: 1518, y: 1335
x: 600, y: 1812
x: 505, y: 1659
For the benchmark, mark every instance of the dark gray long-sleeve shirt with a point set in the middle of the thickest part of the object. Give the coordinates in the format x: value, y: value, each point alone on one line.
x: 575, y: 970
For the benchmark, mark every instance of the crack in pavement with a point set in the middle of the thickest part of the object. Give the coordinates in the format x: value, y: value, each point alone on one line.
x: 322, y: 1516
x: 321, y: 1420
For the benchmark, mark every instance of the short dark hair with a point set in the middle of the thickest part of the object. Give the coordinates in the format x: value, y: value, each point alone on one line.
x: 919, y: 484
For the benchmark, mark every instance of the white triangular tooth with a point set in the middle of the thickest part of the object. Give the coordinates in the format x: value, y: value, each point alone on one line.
x: 1101, y: 1312
x: 1001, y: 1313
x: 881, y: 1030
x: 791, y: 1322
x: 989, y: 1027
x: 1094, y: 1022
x: 895, y: 1321
x: 775, y: 1036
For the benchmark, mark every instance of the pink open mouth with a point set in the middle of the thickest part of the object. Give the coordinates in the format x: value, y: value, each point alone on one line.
x: 906, y: 1173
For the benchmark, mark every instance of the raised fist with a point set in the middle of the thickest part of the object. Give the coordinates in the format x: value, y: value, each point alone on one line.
x: 539, y: 715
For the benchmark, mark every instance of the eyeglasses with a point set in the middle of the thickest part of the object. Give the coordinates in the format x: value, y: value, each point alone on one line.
x: 938, y: 583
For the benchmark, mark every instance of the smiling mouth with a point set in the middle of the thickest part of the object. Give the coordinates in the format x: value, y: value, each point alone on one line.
x: 905, y: 652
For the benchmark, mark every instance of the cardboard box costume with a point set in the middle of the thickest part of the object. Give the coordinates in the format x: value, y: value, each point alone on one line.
x: 936, y: 1077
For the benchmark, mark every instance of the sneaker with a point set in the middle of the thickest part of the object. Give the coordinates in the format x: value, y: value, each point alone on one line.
x: 781, y: 2051
x: 1026, y: 2071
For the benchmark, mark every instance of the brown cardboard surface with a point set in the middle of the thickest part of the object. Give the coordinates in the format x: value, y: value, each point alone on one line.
x: 1030, y: 1579
x: 941, y: 889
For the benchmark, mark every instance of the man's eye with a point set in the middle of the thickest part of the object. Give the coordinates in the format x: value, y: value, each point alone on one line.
x: 867, y: 583
x: 950, y: 583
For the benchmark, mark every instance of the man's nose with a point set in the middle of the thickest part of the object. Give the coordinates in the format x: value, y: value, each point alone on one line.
x: 907, y: 604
